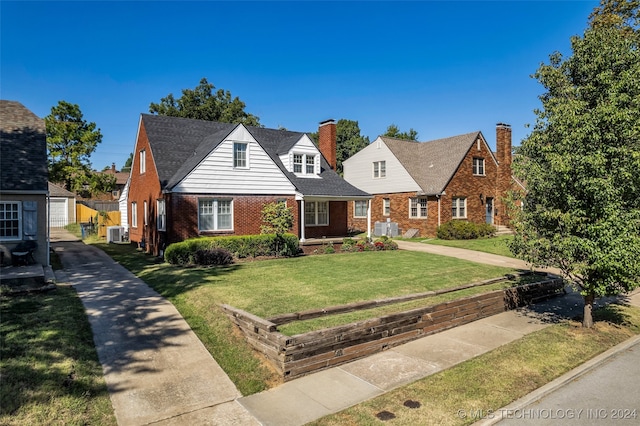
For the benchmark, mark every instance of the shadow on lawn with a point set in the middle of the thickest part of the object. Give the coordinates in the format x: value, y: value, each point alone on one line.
x: 42, y: 334
x: 131, y: 322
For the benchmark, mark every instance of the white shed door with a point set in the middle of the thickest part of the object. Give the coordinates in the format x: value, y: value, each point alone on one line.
x: 58, y: 213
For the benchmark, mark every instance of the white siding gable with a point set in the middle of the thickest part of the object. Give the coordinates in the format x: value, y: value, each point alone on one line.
x: 306, y: 148
x: 216, y: 174
x: 358, y: 171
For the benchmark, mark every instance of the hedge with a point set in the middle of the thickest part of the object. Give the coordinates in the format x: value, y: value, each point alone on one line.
x: 195, y: 251
x: 463, y: 230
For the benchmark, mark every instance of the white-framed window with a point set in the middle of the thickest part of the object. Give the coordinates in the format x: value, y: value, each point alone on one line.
x: 134, y: 214
x: 297, y: 163
x: 304, y: 164
x: 240, y: 155
x: 10, y: 220
x: 215, y: 214
x: 386, y: 206
x: 417, y: 207
x: 379, y: 169
x: 161, y: 220
x: 478, y: 166
x: 459, y: 208
x: 143, y: 161
x: 360, y: 208
x: 145, y: 213
x: 311, y: 165
x: 316, y: 213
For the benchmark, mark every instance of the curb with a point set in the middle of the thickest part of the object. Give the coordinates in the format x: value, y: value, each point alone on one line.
x: 570, y: 376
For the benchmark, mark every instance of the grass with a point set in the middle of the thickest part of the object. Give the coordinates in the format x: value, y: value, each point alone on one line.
x: 48, y: 363
x: 489, y: 382
x: 494, y: 245
x: 270, y: 287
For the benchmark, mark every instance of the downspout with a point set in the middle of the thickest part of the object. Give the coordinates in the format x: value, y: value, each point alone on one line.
x: 302, y: 239
x: 48, y: 198
x: 438, y: 197
x: 369, y: 219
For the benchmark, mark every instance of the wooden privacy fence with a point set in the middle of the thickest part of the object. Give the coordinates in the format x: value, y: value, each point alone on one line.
x: 86, y: 214
x: 295, y: 356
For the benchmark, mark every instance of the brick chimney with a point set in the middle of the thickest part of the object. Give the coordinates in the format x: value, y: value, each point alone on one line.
x: 113, y: 167
x: 503, y: 155
x: 327, y: 141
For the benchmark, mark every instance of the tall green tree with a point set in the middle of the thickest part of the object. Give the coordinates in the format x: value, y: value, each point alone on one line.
x: 394, y: 132
x: 70, y: 142
x: 203, y: 103
x: 581, y: 163
x: 127, y: 164
x: 349, y: 140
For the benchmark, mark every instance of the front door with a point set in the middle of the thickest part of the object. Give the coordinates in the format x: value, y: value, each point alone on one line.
x: 489, y: 206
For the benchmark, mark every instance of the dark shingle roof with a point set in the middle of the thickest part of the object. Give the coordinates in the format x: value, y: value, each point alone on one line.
x: 178, y: 145
x: 23, y: 149
x: 432, y: 164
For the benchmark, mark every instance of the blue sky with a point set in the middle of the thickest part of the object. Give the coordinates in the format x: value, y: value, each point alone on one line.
x: 441, y: 68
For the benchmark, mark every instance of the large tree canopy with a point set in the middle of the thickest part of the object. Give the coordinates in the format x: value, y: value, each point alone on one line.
x: 581, y: 163
x: 203, y: 104
x: 349, y: 140
x: 394, y: 132
x: 70, y: 142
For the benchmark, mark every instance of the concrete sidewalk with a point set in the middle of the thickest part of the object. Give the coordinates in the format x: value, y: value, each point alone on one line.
x: 156, y: 369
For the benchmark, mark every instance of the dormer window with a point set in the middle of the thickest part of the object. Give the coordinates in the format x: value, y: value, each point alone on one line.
x: 305, y: 164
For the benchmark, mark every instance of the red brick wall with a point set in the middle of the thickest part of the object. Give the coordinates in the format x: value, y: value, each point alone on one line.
x: 337, y: 222
x: 144, y: 187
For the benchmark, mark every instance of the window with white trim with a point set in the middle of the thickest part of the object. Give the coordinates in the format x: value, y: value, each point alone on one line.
x: 386, y: 206
x: 143, y: 161
x: 10, y: 220
x: 417, y: 207
x: 215, y: 214
x: 240, y: 155
x: 316, y: 213
x: 459, y: 208
x: 379, y: 169
x: 145, y: 213
x: 134, y: 215
x: 360, y: 208
x: 161, y: 220
x: 478, y: 166
x: 304, y: 164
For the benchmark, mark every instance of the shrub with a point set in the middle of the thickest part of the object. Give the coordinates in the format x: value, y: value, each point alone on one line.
x: 463, y: 230
x: 200, y: 251
x: 213, y: 257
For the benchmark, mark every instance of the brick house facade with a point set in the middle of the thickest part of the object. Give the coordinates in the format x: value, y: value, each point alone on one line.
x: 194, y: 178
x: 428, y: 184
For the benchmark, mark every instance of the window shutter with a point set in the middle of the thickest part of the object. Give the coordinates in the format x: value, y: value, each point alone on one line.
x: 30, y: 220
x: 317, y: 163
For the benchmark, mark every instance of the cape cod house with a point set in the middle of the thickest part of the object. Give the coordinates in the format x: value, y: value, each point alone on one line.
x: 23, y: 184
x: 421, y: 185
x: 194, y: 178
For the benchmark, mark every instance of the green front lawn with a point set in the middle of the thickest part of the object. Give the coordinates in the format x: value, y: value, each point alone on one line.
x: 48, y: 363
x: 270, y: 287
x: 494, y: 245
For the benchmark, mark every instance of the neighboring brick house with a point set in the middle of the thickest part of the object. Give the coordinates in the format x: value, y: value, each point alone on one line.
x: 423, y: 185
x: 23, y: 181
x: 194, y: 178
x: 121, y: 181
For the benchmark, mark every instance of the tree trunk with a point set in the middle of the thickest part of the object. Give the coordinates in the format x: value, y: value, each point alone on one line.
x: 587, y: 316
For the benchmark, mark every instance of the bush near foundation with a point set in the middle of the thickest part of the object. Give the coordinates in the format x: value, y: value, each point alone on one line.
x: 463, y: 230
x: 211, y: 250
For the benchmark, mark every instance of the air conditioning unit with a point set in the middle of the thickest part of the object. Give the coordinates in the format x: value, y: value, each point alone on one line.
x: 115, y: 234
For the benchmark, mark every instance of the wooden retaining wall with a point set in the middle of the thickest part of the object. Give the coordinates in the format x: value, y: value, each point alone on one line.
x: 295, y: 356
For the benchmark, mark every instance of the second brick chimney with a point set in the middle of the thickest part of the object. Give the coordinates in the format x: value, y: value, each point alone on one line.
x: 503, y: 155
x: 327, y: 141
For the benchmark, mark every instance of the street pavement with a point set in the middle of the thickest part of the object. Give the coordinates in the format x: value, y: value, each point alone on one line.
x: 158, y: 372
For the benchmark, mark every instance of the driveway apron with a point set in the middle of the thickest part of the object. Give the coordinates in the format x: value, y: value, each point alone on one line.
x: 156, y: 369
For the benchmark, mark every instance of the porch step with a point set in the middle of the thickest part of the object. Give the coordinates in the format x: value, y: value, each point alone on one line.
x: 503, y: 230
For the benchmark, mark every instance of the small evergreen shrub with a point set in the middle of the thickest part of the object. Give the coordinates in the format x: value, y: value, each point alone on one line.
x: 212, y: 257
x: 463, y: 230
